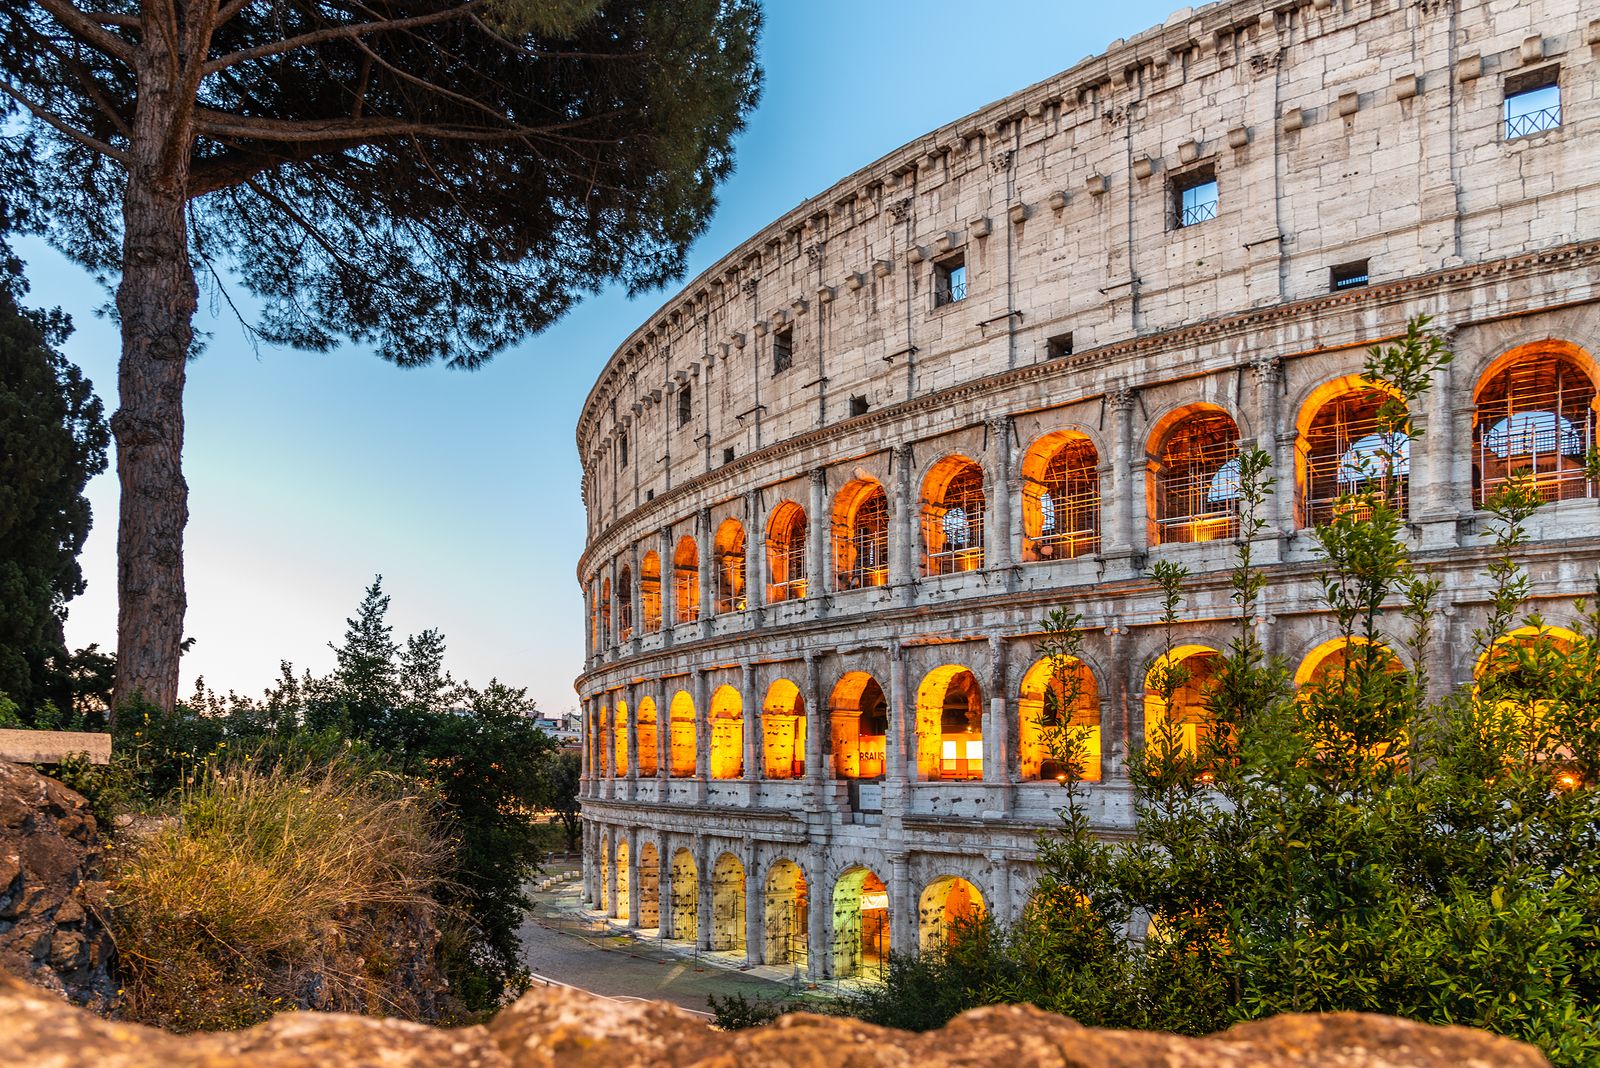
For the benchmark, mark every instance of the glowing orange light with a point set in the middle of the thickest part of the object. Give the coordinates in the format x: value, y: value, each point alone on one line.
x: 1207, y: 778
x: 1568, y: 781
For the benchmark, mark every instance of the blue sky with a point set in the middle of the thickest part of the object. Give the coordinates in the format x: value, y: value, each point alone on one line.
x: 309, y: 473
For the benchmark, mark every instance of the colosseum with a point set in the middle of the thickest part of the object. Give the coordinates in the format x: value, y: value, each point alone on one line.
x: 834, y: 484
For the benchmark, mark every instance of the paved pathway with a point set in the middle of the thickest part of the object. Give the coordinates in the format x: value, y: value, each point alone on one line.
x: 564, y: 944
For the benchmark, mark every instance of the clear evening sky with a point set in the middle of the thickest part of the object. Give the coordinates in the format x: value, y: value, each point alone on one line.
x: 308, y: 473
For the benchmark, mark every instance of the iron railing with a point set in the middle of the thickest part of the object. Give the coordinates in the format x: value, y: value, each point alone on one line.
x: 1532, y: 122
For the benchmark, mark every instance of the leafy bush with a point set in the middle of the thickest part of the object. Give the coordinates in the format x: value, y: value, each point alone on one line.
x: 1350, y: 846
x: 274, y: 888
x: 737, y: 1012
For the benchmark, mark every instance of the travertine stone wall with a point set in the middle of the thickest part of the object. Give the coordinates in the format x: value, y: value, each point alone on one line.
x: 1337, y: 131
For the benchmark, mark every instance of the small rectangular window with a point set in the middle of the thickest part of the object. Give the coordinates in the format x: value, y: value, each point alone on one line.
x: 727, y: 455
x: 649, y: 495
x: 685, y: 405
x: 950, y: 281
x: 1058, y: 346
x: 1347, y: 276
x: 1194, y: 196
x: 622, y: 450
x: 783, y: 350
x: 858, y: 404
x: 1533, y: 103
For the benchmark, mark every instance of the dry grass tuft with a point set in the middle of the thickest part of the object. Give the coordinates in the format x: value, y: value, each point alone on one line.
x: 278, y: 889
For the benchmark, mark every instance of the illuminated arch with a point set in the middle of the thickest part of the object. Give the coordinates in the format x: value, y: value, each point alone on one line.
x: 624, y: 898
x: 786, y: 553
x: 859, y: 715
x: 686, y: 580
x: 684, y: 899
x: 1500, y: 656
x: 728, y: 552
x: 1034, y: 761
x: 950, y: 724
x: 1060, y: 498
x: 783, y: 732
x: 649, y: 741
x: 1193, y: 482
x: 727, y: 904
x: 1187, y: 710
x: 680, y: 736
x: 649, y: 886
x: 619, y: 741
x: 624, y: 604
x: 650, y: 590
x: 1534, y: 413
x: 861, y: 535
x: 784, y: 914
x: 1327, y: 663
x: 1342, y: 447
x: 860, y: 924
x: 945, y: 904
x: 727, y: 734
x: 953, y: 508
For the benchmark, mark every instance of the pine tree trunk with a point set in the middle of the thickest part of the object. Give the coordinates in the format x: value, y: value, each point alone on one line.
x: 156, y: 301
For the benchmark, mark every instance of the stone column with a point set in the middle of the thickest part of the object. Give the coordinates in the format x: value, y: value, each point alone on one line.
x: 632, y: 692
x: 586, y: 746
x: 817, y: 722
x: 663, y: 734
x: 900, y: 755
x: 997, y: 733
x: 903, y: 554
x: 819, y: 927
x: 608, y: 745
x: 902, y: 905
x: 702, y: 733
x: 704, y: 916
x: 669, y: 590
x: 755, y: 559
x: 633, y: 877
x: 998, y: 552
x: 819, y: 542
x: 755, y: 949
x: 1004, y: 905
x: 1436, y: 498
x: 611, y: 871
x: 1123, y: 545
x: 1279, y: 507
x: 664, y: 853
x: 635, y: 596
x: 1119, y: 721
x: 752, y: 707
x: 707, y: 571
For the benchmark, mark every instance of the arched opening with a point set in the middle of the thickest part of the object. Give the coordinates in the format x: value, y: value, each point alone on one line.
x: 1072, y: 700
x: 650, y: 590
x: 728, y: 550
x: 684, y: 903
x: 859, y: 714
x: 1187, y: 709
x: 950, y: 725
x: 605, y: 612
x: 860, y: 925
x: 861, y: 535
x: 649, y: 886
x: 1344, y: 447
x: 1519, y: 678
x: 648, y: 738
x: 623, y: 902
x: 1060, y: 498
x: 946, y: 905
x: 680, y: 736
x: 727, y: 905
x: 784, y: 915
x: 1535, y: 415
x: 686, y: 581
x: 727, y: 734
x: 619, y: 741
x: 786, y: 553
x: 1194, y: 478
x: 783, y: 732
x: 952, y: 517
x: 1326, y: 666
x: 624, y: 604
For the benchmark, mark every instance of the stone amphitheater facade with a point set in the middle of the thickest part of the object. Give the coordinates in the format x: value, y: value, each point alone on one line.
x: 834, y: 485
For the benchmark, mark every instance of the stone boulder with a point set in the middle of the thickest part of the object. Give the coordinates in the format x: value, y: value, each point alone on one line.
x: 554, y: 1026
x: 50, y: 901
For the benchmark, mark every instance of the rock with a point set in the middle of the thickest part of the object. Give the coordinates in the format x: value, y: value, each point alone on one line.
x: 50, y: 928
x: 554, y: 1026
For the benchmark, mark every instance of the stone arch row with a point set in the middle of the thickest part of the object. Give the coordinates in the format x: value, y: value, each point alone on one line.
x: 1534, y: 410
x: 771, y: 903
x: 957, y: 732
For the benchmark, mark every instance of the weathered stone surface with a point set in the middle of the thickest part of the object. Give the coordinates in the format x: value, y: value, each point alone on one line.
x: 50, y: 929
x: 551, y: 1027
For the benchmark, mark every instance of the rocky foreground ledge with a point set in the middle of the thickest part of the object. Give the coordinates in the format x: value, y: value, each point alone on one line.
x: 555, y: 1027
